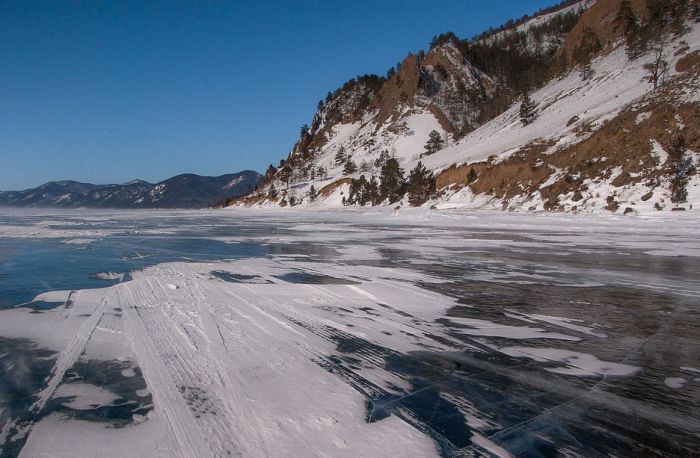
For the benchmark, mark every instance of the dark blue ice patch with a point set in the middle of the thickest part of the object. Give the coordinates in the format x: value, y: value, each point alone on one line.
x: 308, y: 278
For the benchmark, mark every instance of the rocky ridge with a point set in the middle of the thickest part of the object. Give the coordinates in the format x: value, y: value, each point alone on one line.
x: 600, y: 138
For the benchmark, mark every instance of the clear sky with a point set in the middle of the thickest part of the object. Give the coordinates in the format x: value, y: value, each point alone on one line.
x: 109, y: 91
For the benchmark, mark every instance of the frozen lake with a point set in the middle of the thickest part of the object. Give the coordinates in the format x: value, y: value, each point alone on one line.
x: 283, y: 333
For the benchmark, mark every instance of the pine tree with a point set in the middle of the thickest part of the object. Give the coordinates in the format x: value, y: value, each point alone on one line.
x: 666, y: 16
x: 683, y: 167
x: 392, y: 181
x: 272, y: 192
x: 359, y: 192
x: 421, y: 185
x: 286, y: 175
x: 434, y: 143
x: 528, y: 110
x: 270, y: 173
x: 381, y: 160
x: 471, y: 176
x: 586, y: 70
x: 312, y: 193
x: 625, y: 21
x: 627, y: 24
x: 352, y: 192
x: 349, y: 167
x: 321, y: 172
x: 340, y: 156
x: 363, y: 192
x: 373, y: 190
x: 584, y: 52
x: 635, y: 44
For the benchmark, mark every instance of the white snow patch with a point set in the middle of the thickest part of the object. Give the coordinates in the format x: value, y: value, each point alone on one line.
x: 118, y: 276
x: 675, y: 382
x: 659, y: 152
x: 79, y: 241
x: 487, y: 328
x: 568, y: 323
x: 641, y: 117
x: 85, y: 396
x: 575, y: 363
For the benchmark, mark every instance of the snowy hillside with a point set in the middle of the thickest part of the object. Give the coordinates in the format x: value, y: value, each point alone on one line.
x: 442, y: 91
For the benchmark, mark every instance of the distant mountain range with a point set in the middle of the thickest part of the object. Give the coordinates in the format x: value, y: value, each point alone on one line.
x: 181, y: 191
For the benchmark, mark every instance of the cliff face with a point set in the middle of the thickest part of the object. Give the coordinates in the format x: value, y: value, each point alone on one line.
x: 442, y: 82
x: 600, y: 19
x: 599, y: 137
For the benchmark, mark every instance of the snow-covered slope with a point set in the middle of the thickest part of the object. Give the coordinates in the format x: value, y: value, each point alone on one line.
x: 544, y: 18
x: 576, y: 117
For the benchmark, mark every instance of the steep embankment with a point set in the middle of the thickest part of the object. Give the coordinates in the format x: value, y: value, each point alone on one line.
x: 600, y: 137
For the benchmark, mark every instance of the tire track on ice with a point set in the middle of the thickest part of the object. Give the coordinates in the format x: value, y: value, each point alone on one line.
x: 165, y: 396
x: 184, y: 378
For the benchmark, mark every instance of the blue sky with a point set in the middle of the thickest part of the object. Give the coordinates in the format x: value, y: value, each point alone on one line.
x: 105, y: 92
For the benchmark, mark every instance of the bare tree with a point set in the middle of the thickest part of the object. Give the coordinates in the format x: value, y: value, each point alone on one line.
x: 657, y: 69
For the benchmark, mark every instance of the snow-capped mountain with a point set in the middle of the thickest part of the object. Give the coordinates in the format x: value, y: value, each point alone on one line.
x: 195, y: 191
x: 588, y: 106
x: 181, y: 191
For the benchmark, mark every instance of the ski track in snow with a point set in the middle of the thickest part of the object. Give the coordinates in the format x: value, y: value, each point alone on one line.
x: 70, y: 355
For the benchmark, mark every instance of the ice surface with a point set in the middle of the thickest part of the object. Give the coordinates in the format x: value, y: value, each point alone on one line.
x: 362, y: 334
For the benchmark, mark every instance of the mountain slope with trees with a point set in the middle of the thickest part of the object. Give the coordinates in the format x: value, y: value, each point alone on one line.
x: 586, y: 106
